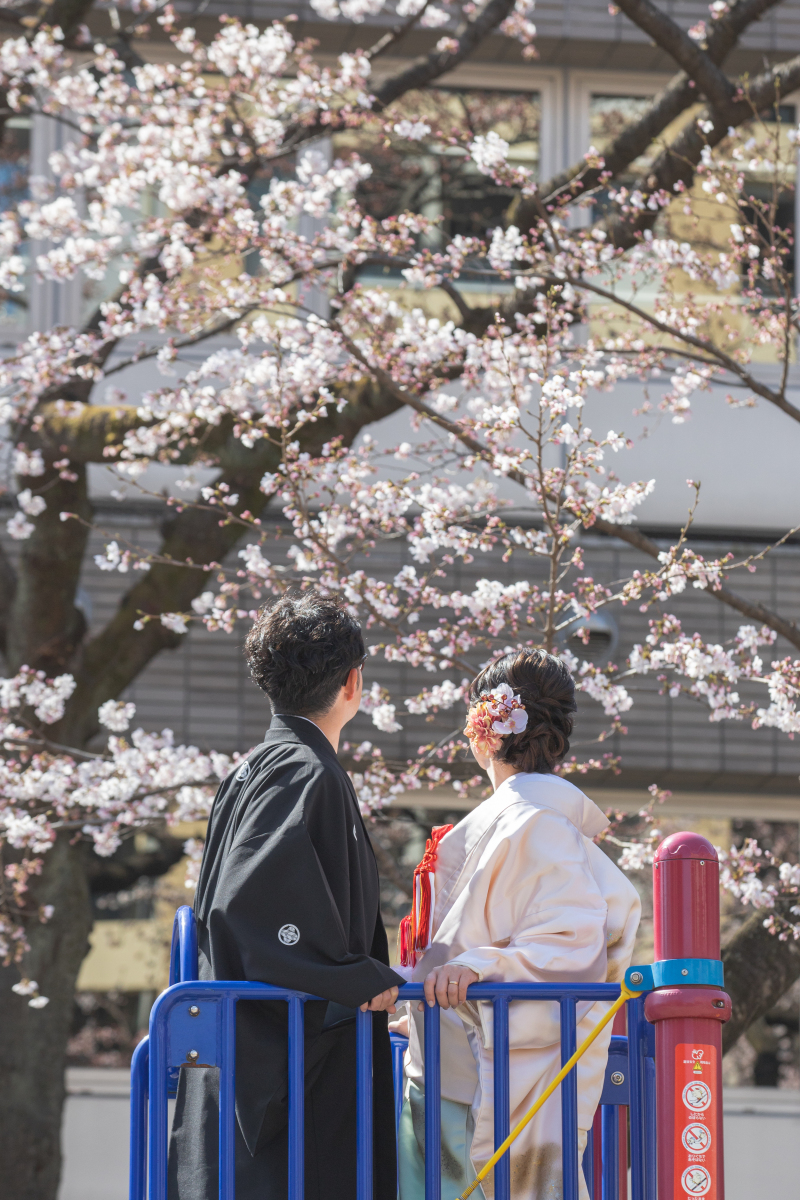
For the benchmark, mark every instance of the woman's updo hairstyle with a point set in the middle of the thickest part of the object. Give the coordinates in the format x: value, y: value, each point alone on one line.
x: 547, y: 690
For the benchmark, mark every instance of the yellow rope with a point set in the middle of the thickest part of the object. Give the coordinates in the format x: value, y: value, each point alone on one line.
x: 547, y: 1093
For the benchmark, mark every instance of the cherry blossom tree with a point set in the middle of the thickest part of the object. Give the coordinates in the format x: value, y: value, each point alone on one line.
x: 602, y: 279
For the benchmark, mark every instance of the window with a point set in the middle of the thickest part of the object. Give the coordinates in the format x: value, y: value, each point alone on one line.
x: 435, y: 178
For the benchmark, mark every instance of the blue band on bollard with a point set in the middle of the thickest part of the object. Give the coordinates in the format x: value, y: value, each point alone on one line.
x: 674, y: 972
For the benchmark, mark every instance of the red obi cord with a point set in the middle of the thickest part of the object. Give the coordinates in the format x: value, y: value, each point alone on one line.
x: 415, y: 929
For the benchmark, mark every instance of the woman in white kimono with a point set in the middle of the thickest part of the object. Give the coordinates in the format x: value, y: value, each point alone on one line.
x: 516, y: 892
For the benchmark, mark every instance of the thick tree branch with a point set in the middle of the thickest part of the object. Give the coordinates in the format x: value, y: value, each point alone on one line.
x: 676, y: 164
x: 430, y: 67
x: 669, y: 36
x: 8, y: 588
x: 667, y: 106
x: 424, y: 71
x: 84, y: 438
x: 725, y: 31
x: 117, y: 655
x: 391, y: 38
x: 759, y: 969
x: 44, y: 627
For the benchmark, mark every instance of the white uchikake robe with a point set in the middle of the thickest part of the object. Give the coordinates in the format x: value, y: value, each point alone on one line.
x: 523, y: 894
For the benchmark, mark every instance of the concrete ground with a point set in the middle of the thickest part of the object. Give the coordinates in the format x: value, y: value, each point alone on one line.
x: 762, y: 1140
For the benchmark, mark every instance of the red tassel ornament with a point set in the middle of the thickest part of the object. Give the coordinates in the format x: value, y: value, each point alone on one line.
x: 415, y: 930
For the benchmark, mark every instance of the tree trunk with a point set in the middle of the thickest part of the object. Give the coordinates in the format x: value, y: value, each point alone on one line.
x: 33, y: 1042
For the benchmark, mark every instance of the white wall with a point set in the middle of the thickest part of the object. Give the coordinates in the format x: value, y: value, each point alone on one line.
x: 747, y: 459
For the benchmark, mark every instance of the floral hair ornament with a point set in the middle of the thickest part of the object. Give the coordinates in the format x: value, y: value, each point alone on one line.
x: 492, y: 717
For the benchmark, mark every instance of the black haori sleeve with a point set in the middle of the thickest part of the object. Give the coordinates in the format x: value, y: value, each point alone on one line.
x: 278, y: 915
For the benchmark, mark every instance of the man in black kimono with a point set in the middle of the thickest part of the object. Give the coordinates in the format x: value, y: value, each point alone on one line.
x: 288, y: 894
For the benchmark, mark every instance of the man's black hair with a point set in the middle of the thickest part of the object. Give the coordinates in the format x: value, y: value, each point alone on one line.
x: 301, y: 650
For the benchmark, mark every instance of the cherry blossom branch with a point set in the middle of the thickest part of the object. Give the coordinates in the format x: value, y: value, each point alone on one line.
x: 393, y: 36
x: 678, y: 95
x: 196, y: 340
x: 704, y: 345
x: 674, y: 168
x: 424, y: 70
x: 626, y: 533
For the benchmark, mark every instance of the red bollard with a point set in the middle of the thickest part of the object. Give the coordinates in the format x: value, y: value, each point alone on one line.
x: 688, y: 1022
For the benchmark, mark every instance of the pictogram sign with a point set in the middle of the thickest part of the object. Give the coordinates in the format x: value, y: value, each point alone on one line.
x: 697, y: 1097
x: 696, y: 1181
x: 696, y: 1108
x: 696, y: 1138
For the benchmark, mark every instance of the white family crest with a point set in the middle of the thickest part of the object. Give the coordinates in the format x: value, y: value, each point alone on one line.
x: 289, y: 935
x: 243, y: 772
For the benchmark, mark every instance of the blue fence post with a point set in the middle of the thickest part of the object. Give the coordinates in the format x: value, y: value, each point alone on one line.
x: 502, y: 1103
x: 650, y: 1122
x: 569, y: 1102
x: 297, y: 1097
x: 137, y: 1178
x: 399, y: 1046
x: 433, y: 1104
x: 227, y: 1100
x: 635, y: 1014
x: 588, y: 1164
x: 183, y: 951
x: 157, y: 1125
x: 363, y: 1105
x: 610, y: 1143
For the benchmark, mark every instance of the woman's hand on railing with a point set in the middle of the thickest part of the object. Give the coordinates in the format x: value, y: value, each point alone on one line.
x: 448, y: 985
x: 385, y: 1002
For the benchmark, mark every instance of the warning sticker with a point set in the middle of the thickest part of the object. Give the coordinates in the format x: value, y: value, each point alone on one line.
x: 696, y: 1138
x: 696, y: 1103
x: 697, y: 1096
x: 696, y: 1181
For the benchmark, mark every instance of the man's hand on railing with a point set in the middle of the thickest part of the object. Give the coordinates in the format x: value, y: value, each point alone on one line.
x: 383, y: 1003
x: 448, y: 985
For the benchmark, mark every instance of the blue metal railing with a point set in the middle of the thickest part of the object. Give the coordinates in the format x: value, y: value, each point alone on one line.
x: 193, y: 1026
x: 183, y: 951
